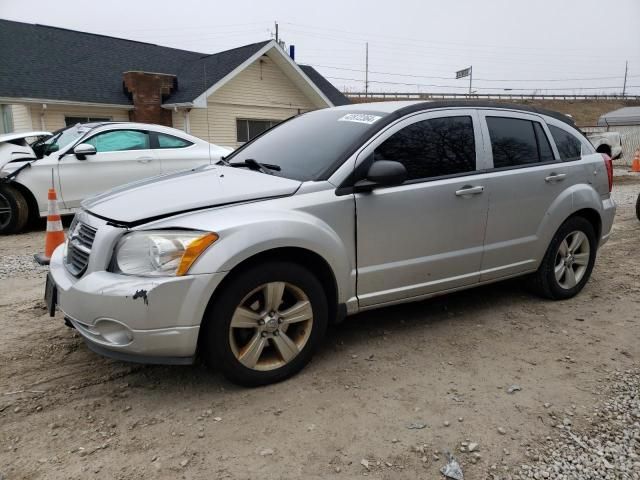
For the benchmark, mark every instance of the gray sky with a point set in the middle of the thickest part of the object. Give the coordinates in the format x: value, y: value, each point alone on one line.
x: 414, y: 45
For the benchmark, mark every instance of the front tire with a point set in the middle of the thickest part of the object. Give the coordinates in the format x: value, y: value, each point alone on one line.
x: 569, y: 260
x: 14, y: 210
x: 638, y: 207
x: 265, y: 323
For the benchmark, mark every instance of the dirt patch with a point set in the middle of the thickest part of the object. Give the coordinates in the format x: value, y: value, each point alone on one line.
x: 446, y: 365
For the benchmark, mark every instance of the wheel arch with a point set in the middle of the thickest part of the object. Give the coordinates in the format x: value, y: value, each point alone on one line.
x: 593, y: 217
x: 32, y: 203
x: 309, y: 259
x: 579, y: 200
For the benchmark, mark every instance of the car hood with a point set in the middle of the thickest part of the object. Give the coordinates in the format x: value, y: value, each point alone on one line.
x: 7, y: 137
x: 14, y: 146
x: 205, y: 187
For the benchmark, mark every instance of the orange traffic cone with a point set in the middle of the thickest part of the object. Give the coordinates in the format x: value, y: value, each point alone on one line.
x: 635, y: 164
x: 55, y: 234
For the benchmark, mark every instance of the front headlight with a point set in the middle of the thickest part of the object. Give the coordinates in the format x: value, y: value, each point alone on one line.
x: 161, y: 252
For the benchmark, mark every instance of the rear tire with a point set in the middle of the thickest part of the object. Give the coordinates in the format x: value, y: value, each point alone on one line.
x: 14, y: 210
x: 254, y: 340
x: 568, y: 262
x: 638, y: 207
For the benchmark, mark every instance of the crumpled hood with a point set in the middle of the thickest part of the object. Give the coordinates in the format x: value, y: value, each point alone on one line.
x: 14, y: 147
x: 166, y: 195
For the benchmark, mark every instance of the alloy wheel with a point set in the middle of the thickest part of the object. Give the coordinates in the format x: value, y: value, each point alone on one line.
x: 271, y: 326
x: 572, y: 259
x: 5, y: 212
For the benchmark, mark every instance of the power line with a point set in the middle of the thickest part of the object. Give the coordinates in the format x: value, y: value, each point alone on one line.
x: 480, y: 88
x: 476, y: 45
x: 386, y: 50
x: 483, y: 79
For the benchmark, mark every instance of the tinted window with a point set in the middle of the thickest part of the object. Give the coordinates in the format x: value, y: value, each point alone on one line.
x: 544, y: 147
x: 248, y: 129
x: 568, y: 145
x: 432, y: 148
x: 119, y: 140
x: 169, y: 141
x: 513, y: 142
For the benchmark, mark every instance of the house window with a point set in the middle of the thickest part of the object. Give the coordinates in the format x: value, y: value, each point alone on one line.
x: 249, y: 128
x: 73, y: 120
x: 6, y: 119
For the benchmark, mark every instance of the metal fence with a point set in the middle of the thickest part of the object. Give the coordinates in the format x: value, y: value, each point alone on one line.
x: 630, y: 135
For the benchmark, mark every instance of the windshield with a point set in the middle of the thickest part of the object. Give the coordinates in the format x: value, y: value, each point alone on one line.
x: 60, y: 139
x: 306, y: 146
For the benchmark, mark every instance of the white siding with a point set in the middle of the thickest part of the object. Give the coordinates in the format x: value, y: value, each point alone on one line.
x: 54, y: 115
x: 21, y: 118
x: 261, y: 91
x: 177, y: 119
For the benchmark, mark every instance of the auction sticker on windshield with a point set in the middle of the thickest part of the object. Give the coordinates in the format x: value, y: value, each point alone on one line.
x: 360, y: 118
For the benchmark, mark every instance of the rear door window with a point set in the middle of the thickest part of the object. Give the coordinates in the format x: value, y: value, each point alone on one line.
x: 569, y: 147
x: 516, y: 142
x: 432, y: 148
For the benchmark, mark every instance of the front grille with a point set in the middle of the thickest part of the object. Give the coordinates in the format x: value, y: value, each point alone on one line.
x: 81, y: 239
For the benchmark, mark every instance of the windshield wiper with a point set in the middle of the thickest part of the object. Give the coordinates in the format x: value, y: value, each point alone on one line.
x: 255, y: 165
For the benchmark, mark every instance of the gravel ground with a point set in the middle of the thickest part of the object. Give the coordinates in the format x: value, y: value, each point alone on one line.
x: 20, y: 266
x: 608, y: 447
x: 489, y: 374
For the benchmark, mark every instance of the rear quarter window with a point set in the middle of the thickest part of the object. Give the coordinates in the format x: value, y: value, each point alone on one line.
x: 569, y: 146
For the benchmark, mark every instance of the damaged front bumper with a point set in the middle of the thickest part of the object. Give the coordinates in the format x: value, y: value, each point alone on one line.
x: 141, y: 319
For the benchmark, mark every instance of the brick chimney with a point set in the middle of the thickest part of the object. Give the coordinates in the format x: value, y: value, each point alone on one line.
x: 147, y: 91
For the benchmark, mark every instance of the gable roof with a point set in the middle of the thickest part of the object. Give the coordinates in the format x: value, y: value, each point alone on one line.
x: 51, y: 63
x: 335, y: 95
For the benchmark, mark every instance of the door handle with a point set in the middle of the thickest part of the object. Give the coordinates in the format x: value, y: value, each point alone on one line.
x: 469, y: 190
x: 555, y: 177
x: 144, y: 159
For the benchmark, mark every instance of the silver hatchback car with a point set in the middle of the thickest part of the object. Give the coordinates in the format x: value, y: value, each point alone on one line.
x: 327, y: 214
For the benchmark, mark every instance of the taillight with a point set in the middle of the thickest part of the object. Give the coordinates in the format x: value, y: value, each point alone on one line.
x: 608, y: 163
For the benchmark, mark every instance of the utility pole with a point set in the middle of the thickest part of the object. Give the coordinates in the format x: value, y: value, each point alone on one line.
x: 366, y: 70
x: 470, y: 77
x: 624, y: 87
x: 277, y: 37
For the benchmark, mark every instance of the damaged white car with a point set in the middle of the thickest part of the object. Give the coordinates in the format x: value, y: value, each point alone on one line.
x: 86, y: 159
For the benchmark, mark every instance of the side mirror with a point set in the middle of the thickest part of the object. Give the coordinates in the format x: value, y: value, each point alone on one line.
x: 383, y: 173
x: 81, y: 151
x: 54, y: 147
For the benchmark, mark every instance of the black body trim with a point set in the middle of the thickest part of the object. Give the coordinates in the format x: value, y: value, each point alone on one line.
x: 147, y: 359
